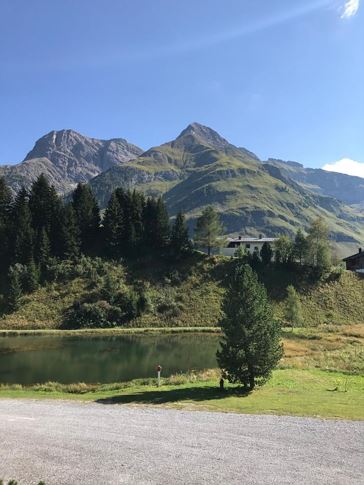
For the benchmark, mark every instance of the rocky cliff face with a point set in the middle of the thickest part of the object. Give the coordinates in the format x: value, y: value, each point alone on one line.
x: 67, y: 157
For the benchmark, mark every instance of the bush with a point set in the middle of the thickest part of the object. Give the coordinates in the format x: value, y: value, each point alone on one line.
x: 100, y: 314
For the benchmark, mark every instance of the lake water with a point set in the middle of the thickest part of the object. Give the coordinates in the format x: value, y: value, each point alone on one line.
x: 92, y: 359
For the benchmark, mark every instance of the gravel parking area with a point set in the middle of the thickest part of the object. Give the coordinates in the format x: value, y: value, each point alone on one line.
x: 63, y: 442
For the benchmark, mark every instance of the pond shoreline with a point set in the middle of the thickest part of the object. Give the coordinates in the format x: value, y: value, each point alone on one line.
x: 109, y: 331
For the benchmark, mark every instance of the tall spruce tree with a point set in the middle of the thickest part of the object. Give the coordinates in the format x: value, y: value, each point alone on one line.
x: 300, y: 247
x: 113, y: 226
x: 208, y: 229
x: 180, y: 242
x: 14, y: 287
x: 22, y: 231
x: 5, y: 213
x: 266, y: 253
x: 42, y: 251
x: 69, y: 234
x: 251, y: 345
x: 156, y: 224
x: 88, y: 217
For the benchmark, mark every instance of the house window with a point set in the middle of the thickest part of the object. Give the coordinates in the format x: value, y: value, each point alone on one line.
x: 247, y: 246
x: 256, y: 248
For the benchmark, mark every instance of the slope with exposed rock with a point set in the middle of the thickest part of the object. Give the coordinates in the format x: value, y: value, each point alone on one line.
x: 66, y: 158
x: 201, y: 168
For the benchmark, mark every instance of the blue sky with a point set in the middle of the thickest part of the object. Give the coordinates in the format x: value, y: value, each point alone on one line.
x: 284, y: 78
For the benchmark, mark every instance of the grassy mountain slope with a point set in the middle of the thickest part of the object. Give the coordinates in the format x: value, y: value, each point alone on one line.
x: 201, y: 168
x: 343, y: 187
x: 189, y: 296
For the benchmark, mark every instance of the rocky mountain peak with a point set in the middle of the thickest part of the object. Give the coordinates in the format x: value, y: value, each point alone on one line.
x: 66, y: 157
x: 203, y: 135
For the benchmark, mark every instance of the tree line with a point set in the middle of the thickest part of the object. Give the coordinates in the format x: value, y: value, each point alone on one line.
x: 37, y: 226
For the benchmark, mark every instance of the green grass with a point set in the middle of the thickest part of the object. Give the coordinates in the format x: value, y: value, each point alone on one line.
x: 191, y: 294
x: 289, y: 392
x: 111, y: 331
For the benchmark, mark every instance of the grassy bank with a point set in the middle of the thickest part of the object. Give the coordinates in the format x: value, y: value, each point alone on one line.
x: 109, y: 331
x: 289, y: 392
x: 321, y: 374
x: 190, y: 295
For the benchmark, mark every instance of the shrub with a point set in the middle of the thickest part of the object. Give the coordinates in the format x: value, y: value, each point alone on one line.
x: 100, y: 314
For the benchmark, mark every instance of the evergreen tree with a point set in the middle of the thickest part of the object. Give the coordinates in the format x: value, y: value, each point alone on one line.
x: 5, y: 212
x: 69, y: 234
x: 22, y: 232
x: 14, y: 287
x: 208, y: 229
x: 266, y: 253
x: 251, y: 345
x: 30, y: 278
x: 40, y: 204
x: 293, y: 309
x: 113, y: 225
x: 300, y: 246
x: 5, y: 201
x: 42, y: 249
x: 180, y: 243
x: 87, y: 215
x: 156, y: 224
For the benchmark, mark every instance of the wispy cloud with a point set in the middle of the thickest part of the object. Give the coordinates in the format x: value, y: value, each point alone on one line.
x: 347, y: 166
x: 350, y: 9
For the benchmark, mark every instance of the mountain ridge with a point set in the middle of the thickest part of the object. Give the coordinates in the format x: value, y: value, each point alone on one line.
x: 198, y: 168
x: 66, y: 157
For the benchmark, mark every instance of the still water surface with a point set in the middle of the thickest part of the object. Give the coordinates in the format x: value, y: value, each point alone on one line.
x: 38, y: 359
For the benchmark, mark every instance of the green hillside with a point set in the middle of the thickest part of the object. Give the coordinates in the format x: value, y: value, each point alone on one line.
x: 189, y: 295
x: 200, y: 168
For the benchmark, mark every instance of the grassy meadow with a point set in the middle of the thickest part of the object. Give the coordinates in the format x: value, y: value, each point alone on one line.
x: 321, y: 374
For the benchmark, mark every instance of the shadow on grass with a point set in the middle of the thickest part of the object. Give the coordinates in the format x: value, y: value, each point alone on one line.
x: 174, y: 395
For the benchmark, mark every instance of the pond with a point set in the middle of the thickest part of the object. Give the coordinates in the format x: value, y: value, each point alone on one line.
x: 92, y: 359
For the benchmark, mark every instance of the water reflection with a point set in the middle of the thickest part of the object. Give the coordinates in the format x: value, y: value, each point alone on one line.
x: 37, y: 359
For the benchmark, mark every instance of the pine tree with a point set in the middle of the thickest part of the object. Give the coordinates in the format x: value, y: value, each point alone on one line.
x: 300, y: 246
x: 208, y: 229
x: 251, y: 345
x: 42, y: 250
x: 30, y: 278
x: 88, y: 216
x: 112, y: 226
x: 5, y: 212
x: 266, y: 253
x: 156, y: 225
x: 293, y: 309
x: 180, y: 243
x: 69, y: 234
x: 40, y: 204
x: 22, y: 232
x: 14, y: 287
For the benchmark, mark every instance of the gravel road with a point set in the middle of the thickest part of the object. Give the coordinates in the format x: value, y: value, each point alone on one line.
x: 86, y: 443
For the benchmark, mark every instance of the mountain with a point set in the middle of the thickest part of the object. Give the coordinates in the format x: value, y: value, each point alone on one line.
x: 66, y: 158
x: 346, y: 188
x: 201, y: 168
x: 197, y: 169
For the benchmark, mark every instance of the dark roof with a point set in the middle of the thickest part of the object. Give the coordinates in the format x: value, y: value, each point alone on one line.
x: 358, y: 255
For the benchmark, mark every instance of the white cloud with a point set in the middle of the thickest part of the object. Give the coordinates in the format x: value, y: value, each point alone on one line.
x: 350, y: 9
x: 346, y: 165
